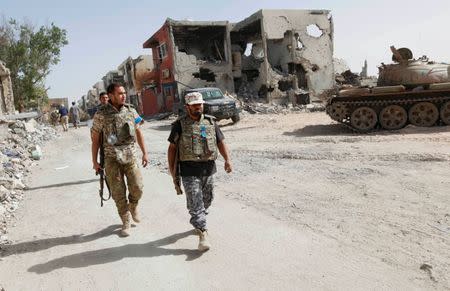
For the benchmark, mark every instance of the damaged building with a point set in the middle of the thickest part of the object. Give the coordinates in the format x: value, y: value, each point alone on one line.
x: 270, y: 56
x: 283, y: 53
x: 132, y: 71
x: 188, y: 54
x: 6, y: 91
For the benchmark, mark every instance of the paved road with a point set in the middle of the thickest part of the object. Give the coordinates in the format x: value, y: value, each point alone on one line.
x: 63, y: 240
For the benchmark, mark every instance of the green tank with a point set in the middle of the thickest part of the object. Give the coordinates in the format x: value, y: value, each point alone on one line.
x: 409, y: 91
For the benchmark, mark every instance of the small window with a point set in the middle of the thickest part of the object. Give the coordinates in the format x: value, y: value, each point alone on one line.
x: 167, y: 91
x: 162, y: 49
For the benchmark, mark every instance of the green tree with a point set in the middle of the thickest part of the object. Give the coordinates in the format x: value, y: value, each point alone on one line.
x: 29, y: 53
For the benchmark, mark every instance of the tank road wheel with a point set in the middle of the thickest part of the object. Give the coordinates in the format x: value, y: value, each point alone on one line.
x: 393, y: 117
x: 338, y: 111
x: 364, y: 118
x: 445, y: 113
x: 423, y: 114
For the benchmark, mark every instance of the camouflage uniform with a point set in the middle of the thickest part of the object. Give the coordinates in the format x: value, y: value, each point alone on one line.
x: 199, y: 195
x: 54, y: 116
x: 118, y: 132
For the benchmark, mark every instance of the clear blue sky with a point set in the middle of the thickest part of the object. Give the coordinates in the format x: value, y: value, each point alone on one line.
x: 103, y: 33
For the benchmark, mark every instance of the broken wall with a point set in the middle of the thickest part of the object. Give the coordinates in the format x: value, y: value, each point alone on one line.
x: 6, y: 91
x: 249, y: 58
x: 143, y: 64
x: 202, y: 55
x: 300, y: 43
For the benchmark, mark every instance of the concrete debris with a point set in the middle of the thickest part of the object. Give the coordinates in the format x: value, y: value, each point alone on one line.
x: 20, y: 144
x: 347, y: 78
x: 30, y: 126
x: 4, y: 193
x: 36, y: 152
x: 22, y: 116
x: 273, y: 108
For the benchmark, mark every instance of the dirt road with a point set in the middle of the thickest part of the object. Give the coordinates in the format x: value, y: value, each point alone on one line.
x: 309, y: 206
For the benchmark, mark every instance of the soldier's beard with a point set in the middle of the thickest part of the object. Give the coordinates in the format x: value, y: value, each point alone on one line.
x: 195, y: 113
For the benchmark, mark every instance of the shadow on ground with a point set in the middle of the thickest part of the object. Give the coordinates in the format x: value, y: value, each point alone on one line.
x: 63, y: 184
x: 44, y: 244
x: 109, y: 255
x: 163, y: 127
x: 341, y: 130
x: 322, y: 130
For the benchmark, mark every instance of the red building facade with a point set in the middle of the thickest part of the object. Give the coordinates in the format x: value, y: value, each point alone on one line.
x: 161, y: 94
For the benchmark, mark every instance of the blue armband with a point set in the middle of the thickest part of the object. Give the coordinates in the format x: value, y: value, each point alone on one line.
x: 138, y: 120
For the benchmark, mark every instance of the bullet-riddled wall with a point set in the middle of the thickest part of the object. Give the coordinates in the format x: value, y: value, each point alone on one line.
x: 201, y: 54
x: 271, y: 55
x: 290, y: 50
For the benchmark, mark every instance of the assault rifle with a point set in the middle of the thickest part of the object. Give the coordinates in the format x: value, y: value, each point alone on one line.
x: 101, y: 172
x: 176, y: 169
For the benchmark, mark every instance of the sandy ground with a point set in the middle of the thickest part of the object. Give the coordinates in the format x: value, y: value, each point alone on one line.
x: 310, y: 205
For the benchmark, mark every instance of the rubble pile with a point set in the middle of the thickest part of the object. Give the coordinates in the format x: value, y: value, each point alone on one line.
x: 20, y: 146
x: 246, y: 92
x: 348, y: 79
x: 273, y: 108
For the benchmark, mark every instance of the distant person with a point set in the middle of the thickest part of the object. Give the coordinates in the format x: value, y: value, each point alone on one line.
x: 75, y: 115
x: 117, y: 124
x: 195, y: 141
x: 103, y: 98
x: 64, y: 117
x: 54, y: 117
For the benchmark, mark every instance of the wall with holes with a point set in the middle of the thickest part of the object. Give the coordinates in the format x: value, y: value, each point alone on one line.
x: 301, y: 37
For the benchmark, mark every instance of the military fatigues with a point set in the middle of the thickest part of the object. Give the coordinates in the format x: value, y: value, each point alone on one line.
x: 54, y: 116
x: 197, y: 152
x: 199, y: 195
x: 118, y: 131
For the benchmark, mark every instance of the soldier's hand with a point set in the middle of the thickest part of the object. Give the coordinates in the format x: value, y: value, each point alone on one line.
x: 228, y: 168
x: 145, y: 160
x: 96, y: 166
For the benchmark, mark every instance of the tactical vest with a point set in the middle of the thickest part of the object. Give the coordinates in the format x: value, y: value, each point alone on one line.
x: 198, y: 139
x: 118, y: 127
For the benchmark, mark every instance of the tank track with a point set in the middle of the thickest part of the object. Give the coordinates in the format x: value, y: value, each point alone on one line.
x: 377, y: 105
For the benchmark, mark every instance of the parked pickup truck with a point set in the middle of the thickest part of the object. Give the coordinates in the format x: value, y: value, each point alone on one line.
x: 216, y: 104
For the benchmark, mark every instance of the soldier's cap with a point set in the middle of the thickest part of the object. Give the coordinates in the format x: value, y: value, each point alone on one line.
x: 194, y: 98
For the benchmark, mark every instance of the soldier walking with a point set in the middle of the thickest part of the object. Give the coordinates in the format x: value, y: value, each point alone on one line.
x: 115, y: 124
x: 54, y: 117
x: 75, y: 114
x: 195, y: 141
x: 64, y: 117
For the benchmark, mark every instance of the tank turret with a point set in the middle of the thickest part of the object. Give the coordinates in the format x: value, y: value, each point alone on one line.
x: 411, y: 72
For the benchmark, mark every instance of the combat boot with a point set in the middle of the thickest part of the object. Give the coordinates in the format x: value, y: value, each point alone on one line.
x: 126, y: 224
x: 134, y: 212
x: 203, y: 242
